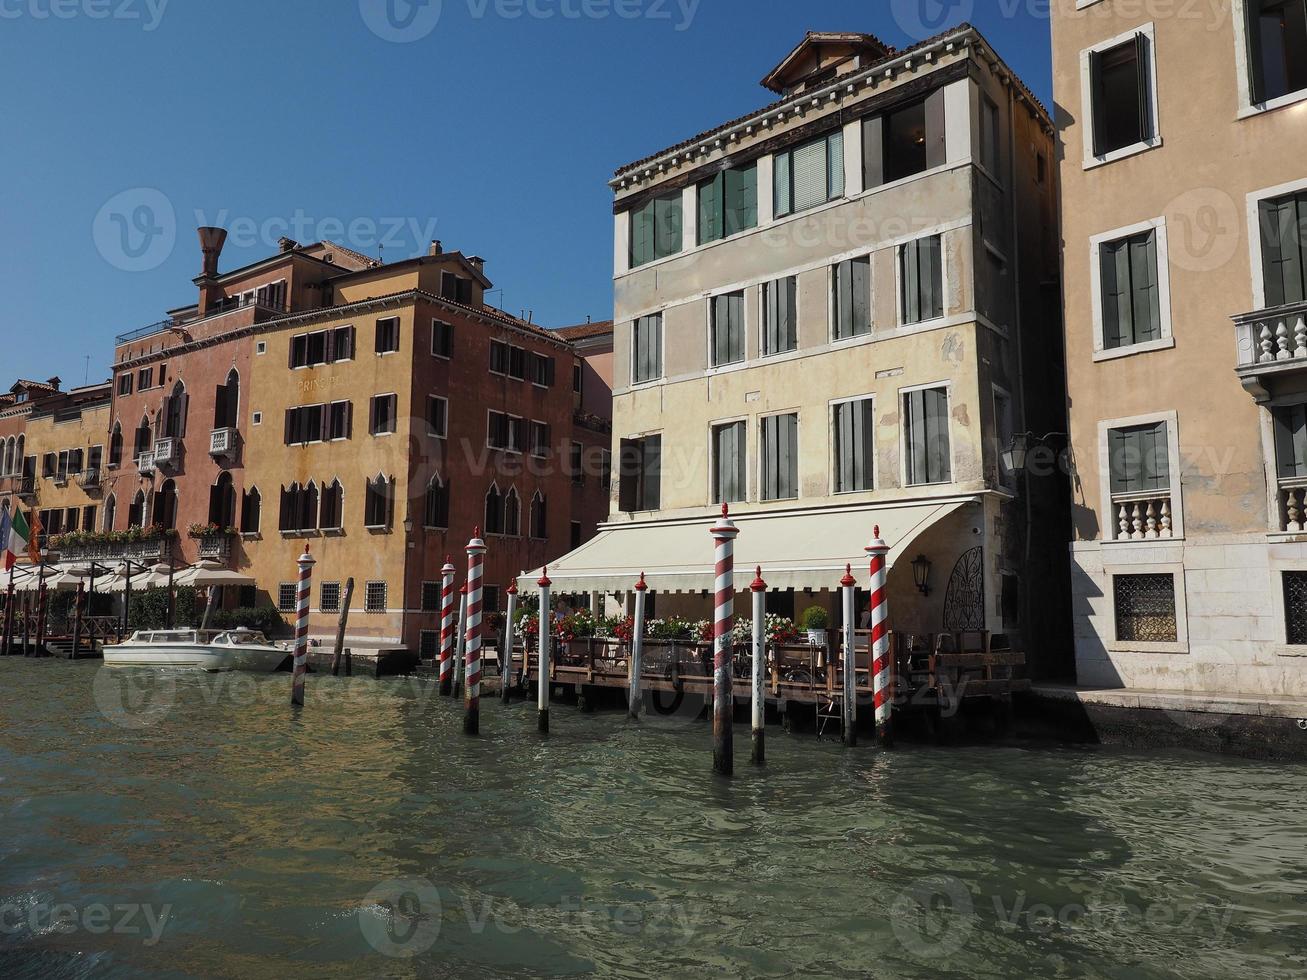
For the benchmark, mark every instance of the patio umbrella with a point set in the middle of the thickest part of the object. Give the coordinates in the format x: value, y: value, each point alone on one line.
x: 212, y: 576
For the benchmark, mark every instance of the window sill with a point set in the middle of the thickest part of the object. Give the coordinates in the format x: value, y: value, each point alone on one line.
x: 1118, y: 646
x: 1147, y: 347
x: 1261, y: 108
x: 727, y: 368
x: 333, y: 532
x: 1283, y: 650
x: 1126, y: 151
x: 251, y: 536
x: 1286, y: 537
x: 378, y: 529
x: 1177, y: 539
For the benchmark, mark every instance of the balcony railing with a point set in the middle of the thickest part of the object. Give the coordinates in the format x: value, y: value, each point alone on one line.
x: 1271, y: 341
x: 1142, y: 516
x: 89, y: 480
x: 148, y: 551
x: 145, y: 462
x: 167, y: 451
x: 214, y: 546
x: 222, y: 442
x: 27, y: 488
x: 1293, y: 505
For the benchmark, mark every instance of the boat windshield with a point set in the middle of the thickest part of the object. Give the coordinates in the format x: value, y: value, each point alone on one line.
x: 244, y: 638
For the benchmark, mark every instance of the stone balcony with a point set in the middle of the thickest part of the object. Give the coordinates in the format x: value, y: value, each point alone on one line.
x: 1293, y: 506
x: 148, y: 551
x: 1271, y: 343
x: 213, y: 546
x: 222, y: 442
x: 1142, y: 516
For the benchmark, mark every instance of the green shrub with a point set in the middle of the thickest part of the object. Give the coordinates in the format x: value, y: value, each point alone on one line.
x: 815, y: 618
x: 263, y: 618
x: 149, y: 609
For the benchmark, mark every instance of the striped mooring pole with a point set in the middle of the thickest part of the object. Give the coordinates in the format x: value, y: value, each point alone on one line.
x: 476, y: 563
x: 306, y: 564
x: 506, y: 654
x: 448, y: 613
x: 460, y: 648
x: 850, y: 713
x: 724, y: 533
x: 546, y: 628
x: 759, y: 590
x: 880, y: 660
x: 636, y: 700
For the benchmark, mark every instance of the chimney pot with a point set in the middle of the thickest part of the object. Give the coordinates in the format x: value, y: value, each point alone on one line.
x: 436, y: 248
x: 211, y: 243
x: 287, y: 244
x: 55, y: 382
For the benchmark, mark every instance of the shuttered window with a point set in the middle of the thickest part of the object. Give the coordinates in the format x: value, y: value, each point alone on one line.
x: 1290, y: 441
x: 376, y: 503
x: 728, y: 203
x: 647, y: 349
x: 851, y: 286
x: 727, y: 329
x: 1277, y: 31
x: 855, y: 459
x: 809, y: 175
x: 780, y: 319
x: 1283, y: 223
x: 926, y: 436
x: 387, y: 335
x: 921, y: 277
x: 1131, y: 294
x: 905, y: 141
x: 729, y: 460
x: 1139, y: 459
x: 640, y: 486
x: 780, y: 457
x: 656, y: 229
x: 442, y: 339
x: 383, y: 415
x: 1121, y: 93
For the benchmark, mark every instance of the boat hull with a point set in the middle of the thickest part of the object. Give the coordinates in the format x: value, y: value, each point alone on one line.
x: 262, y: 660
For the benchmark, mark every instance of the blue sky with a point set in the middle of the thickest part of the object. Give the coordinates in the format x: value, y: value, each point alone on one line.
x: 493, y: 125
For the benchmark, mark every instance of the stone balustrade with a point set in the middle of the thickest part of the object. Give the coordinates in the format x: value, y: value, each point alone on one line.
x: 1293, y: 506
x: 1142, y: 517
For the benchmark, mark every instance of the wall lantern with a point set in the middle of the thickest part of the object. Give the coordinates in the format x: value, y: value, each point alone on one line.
x: 1014, y: 457
x: 921, y: 573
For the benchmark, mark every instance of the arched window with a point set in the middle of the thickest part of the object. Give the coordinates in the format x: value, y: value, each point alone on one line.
x: 437, y: 509
x: 226, y: 403
x: 308, y: 520
x: 174, y: 412
x: 494, y: 510
x: 512, y: 513
x: 164, y: 509
x: 110, y: 511
x: 377, y: 504
x: 251, y: 507
x: 116, y: 446
x: 289, y: 517
x: 144, y: 438
x: 7, y: 465
x: 332, y: 509
x: 18, y: 455
x: 539, y: 517
x: 136, y: 512
x: 222, y: 502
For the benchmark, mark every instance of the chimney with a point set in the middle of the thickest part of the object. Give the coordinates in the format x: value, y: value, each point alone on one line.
x: 287, y: 244
x: 435, y: 248
x: 55, y: 382
x: 477, y: 262
x: 211, y: 242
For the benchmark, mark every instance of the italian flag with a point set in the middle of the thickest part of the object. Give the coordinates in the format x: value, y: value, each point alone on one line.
x: 19, y: 541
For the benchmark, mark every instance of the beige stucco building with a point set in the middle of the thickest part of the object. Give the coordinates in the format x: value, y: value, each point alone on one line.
x: 821, y: 314
x: 1183, y: 138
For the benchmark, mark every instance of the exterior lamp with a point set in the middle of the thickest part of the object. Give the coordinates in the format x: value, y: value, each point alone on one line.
x: 408, y: 524
x: 1014, y: 457
x: 921, y: 573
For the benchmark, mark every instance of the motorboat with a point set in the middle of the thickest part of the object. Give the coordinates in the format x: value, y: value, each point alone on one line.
x: 210, y: 650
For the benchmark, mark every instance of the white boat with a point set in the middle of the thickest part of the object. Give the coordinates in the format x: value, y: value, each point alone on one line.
x: 211, y: 650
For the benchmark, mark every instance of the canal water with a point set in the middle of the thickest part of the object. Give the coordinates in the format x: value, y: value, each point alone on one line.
x: 187, y: 825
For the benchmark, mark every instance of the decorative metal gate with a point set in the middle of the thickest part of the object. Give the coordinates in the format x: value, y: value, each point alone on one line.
x: 964, y: 602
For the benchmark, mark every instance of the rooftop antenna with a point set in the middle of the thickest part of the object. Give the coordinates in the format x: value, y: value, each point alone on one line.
x: 86, y: 375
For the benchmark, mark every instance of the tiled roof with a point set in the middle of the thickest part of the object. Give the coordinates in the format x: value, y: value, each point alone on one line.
x: 583, y: 330
x: 37, y: 386
x: 962, y: 28
x: 367, y: 260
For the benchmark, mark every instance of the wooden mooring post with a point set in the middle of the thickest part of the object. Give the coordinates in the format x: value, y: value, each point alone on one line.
x: 339, y: 653
x: 881, y: 664
x: 544, y: 633
x: 27, y: 624
x: 849, y: 714
x: 758, y: 704
x: 40, y: 613
x: 506, y: 648
x: 636, y: 700
x: 301, y: 664
x: 724, y: 533
x: 79, y: 611
x: 476, y: 561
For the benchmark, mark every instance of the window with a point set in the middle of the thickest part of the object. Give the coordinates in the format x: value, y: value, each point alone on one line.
x: 512, y: 513
x: 905, y: 141
x: 728, y: 203
x: 226, y: 401
x: 1004, y: 429
x: 640, y: 479
x: 174, y: 412
x: 921, y: 277
x: 299, y: 509
x: 1145, y: 608
x: 251, y: 504
x: 1283, y: 222
x: 222, y: 502
x: 539, y: 439
x: 780, y: 316
x: 374, y: 597
x: 656, y: 229
x: 576, y: 377
x: 780, y: 457
x: 437, y: 416
x: 490, y: 600
x: 93, y: 459
x: 539, y: 517
x: 541, y: 370
x: 455, y: 287
x: 286, y: 597
x: 110, y: 511
x: 853, y: 427
x: 333, y: 507
x: 576, y: 463
x: 124, y: 385
x: 304, y: 425
x: 377, y: 504
x: 428, y: 644
x: 383, y: 415
x: 436, y: 510
x: 322, y: 347
x: 647, y: 349
x: 71, y: 517
x: 1277, y: 31
x: 49, y: 464
x: 329, y: 597
x: 164, y: 508
x: 136, y: 510
x: 989, y: 135
x: 494, y: 522
x: 1290, y: 424
x: 809, y: 175
x: 1131, y: 295
x: 729, y: 478
x: 506, y: 432
x: 341, y: 344
x: 1120, y: 91
x: 144, y: 439
x: 388, y: 335
x: 145, y: 379
x: 1139, y: 459
x: 431, y: 596
x: 442, y: 339
x: 727, y: 329
x: 606, y: 469
x: 926, y: 436
x: 88, y: 517
x: 851, y: 298
x: 340, y: 420
x: 1295, y: 608
x: 517, y: 363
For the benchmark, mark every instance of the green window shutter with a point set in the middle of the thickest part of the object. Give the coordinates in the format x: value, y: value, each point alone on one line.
x: 667, y: 225
x: 642, y: 235
x: 861, y: 284
x: 741, y: 199
x: 843, y: 287
x: 1282, y: 225
x: 931, y: 273
x: 652, y: 472
x: 909, y: 265
x: 873, y: 152
x: 1118, y: 330
x: 811, y: 186
x: 1143, y: 86
x: 782, y: 193
x: 710, y: 209
x: 1156, y: 461
x: 939, y: 463
x: 790, y: 312
x: 771, y: 300
x: 835, y: 165
x: 1146, y: 313
x: 1291, y: 441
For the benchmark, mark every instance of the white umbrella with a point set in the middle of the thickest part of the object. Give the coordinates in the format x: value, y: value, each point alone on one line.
x: 210, y: 573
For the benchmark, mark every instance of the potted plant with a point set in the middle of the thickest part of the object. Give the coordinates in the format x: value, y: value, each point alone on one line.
x: 815, y: 619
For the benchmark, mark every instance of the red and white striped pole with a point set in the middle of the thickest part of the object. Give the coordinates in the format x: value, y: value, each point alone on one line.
x: 448, y: 614
x: 460, y: 646
x: 301, y: 661
x: 759, y: 590
x: 724, y: 533
x: 636, y: 700
x: 546, y: 619
x: 506, y: 654
x: 476, y: 563
x: 850, y: 706
x: 881, y: 667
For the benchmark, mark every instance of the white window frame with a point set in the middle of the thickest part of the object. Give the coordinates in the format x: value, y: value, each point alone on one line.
x: 762, y: 317
x: 437, y: 435
x: 712, y: 459
x: 761, y: 462
x: 744, y: 331
x: 399, y: 326
x: 833, y: 463
x: 520, y: 450
x: 1243, y: 68
x: 1158, y: 226
x: 1267, y: 425
x: 384, y: 394
x: 898, y: 250
x: 1177, y: 571
x: 261, y: 347
x: 256, y: 418
x: 662, y: 350
x: 831, y: 340
x: 443, y: 357
x: 1107, y: 513
x: 1149, y: 30
x: 903, y: 436
x: 1279, y: 621
x: 1255, y: 198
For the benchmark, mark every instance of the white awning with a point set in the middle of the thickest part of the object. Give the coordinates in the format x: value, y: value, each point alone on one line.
x: 799, y: 549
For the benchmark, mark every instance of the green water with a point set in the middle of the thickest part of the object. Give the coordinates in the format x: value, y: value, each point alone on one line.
x: 187, y: 825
